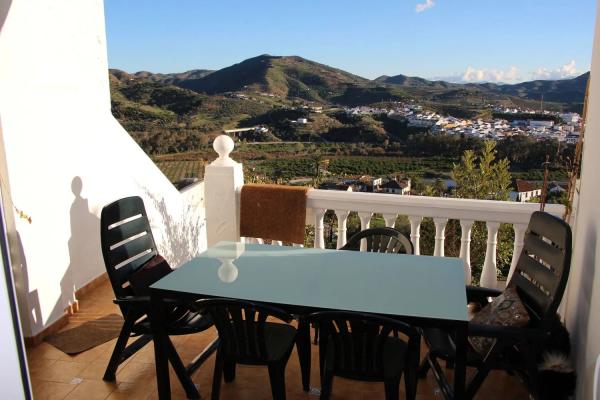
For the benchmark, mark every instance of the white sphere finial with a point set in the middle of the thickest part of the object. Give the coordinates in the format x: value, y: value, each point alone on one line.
x: 223, y: 145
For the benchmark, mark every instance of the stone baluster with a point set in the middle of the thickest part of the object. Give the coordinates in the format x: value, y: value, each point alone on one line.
x: 440, y: 236
x: 342, y: 217
x: 415, y: 232
x: 390, y: 220
x: 319, y: 229
x: 517, y: 247
x: 365, y: 222
x: 489, y: 277
x: 465, y: 247
x: 222, y: 180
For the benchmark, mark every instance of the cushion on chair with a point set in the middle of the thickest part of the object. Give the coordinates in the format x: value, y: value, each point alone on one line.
x: 154, y: 269
x: 505, y: 310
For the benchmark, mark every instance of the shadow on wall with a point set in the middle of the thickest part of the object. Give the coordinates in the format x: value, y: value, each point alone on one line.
x: 4, y: 7
x: 32, y: 303
x: 181, y: 237
x: 84, y: 248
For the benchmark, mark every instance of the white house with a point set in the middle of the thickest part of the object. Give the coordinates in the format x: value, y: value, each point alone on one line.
x: 524, y: 191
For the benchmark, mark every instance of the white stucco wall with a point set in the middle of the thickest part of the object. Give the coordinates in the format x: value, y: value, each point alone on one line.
x: 583, y: 296
x: 67, y: 156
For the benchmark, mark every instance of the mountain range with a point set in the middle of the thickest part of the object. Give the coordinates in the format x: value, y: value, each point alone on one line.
x: 296, y: 77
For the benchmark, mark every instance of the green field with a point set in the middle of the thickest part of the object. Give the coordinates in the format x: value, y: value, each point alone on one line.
x: 178, y: 170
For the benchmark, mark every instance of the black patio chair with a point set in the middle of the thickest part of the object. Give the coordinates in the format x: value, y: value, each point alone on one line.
x: 380, y: 240
x: 127, y: 247
x: 361, y: 346
x: 540, y: 278
x: 247, y: 338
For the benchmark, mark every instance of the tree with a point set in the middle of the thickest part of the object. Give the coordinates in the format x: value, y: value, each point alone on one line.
x: 481, y: 176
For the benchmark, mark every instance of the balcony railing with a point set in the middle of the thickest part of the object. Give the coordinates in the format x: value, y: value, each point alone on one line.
x: 224, y: 179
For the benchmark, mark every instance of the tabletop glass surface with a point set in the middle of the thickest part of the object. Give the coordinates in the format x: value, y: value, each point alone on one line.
x: 393, y: 284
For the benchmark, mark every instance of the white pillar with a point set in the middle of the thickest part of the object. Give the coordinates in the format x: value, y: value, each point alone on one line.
x: 517, y: 247
x: 319, y: 230
x: 390, y: 220
x: 342, y: 217
x: 440, y: 236
x: 415, y: 232
x: 489, y: 277
x: 365, y: 222
x: 465, y: 247
x: 222, y: 180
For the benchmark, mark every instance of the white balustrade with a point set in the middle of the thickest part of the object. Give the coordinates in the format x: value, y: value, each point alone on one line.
x: 440, y: 236
x: 365, y: 222
x: 415, y: 232
x: 390, y: 220
x: 224, y: 178
x: 465, y: 247
x: 488, y: 272
x: 319, y: 229
x: 519, y: 230
x: 342, y: 217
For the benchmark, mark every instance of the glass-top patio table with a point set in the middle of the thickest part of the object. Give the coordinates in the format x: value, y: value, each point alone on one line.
x: 422, y: 290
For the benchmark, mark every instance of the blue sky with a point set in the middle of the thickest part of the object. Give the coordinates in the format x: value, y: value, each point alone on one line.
x: 458, y: 40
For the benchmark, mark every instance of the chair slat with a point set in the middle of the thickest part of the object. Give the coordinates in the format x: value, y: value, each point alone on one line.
x: 131, y: 249
x: 542, y: 274
x: 128, y: 230
x: 545, y: 251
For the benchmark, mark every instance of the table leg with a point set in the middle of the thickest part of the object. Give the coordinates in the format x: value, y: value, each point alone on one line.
x: 460, y: 362
x: 303, y: 345
x: 159, y: 335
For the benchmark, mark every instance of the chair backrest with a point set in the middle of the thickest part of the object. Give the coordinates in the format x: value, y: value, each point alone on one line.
x: 543, y: 267
x: 358, y: 340
x: 241, y: 327
x: 126, y: 240
x: 381, y: 240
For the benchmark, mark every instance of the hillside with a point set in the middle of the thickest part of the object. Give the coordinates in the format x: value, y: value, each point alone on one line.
x: 169, y: 113
x: 559, y: 91
x: 283, y: 76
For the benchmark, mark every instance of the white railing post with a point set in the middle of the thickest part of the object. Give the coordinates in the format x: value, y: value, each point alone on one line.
x: 440, y: 236
x: 342, y: 217
x: 465, y: 247
x: 319, y: 229
x: 365, y: 222
x: 222, y: 180
x: 519, y: 230
x: 390, y: 220
x: 415, y: 232
x: 489, y: 276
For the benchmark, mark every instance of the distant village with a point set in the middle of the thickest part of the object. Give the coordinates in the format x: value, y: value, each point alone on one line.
x: 522, y: 190
x: 532, y: 123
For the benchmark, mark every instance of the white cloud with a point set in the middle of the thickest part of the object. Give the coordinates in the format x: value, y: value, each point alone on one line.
x: 424, y: 6
x: 568, y: 70
x: 510, y: 74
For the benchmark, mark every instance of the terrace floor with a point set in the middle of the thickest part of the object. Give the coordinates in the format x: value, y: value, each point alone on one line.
x: 56, y: 375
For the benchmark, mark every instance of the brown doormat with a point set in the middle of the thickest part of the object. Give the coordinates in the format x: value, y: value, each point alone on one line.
x: 87, y: 335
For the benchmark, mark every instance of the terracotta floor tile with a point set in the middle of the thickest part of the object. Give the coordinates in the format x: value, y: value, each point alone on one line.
x: 128, y: 391
x: 52, y: 371
x: 61, y: 371
x: 44, y: 390
x: 91, y: 390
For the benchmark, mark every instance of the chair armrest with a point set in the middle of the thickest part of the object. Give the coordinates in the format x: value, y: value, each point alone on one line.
x: 132, y: 300
x: 146, y: 299
x: 505, y: 332
x: 476, y: 294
